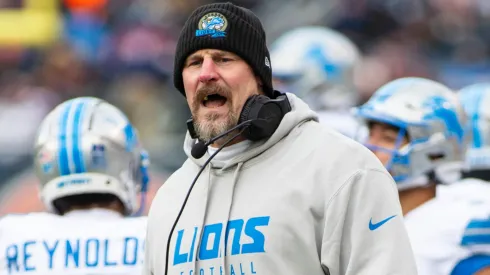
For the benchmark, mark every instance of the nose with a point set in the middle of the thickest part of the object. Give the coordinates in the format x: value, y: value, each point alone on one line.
x: 208, y: 71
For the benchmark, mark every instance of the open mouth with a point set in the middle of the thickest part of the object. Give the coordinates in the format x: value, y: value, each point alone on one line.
x: 214, y: 101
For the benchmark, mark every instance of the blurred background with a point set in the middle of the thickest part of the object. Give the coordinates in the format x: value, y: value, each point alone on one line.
x: 122, y: 51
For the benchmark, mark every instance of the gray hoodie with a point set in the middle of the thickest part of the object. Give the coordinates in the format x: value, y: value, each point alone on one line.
x: 306, y: 201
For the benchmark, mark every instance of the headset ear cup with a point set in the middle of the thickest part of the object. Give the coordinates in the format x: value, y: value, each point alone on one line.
x: 265, y: 114
x: 245, y: 114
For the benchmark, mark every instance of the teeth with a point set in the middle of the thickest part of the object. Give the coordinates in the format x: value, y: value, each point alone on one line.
x: 205, y: 98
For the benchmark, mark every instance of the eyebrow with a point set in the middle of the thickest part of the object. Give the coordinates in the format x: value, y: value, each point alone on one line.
x: 194, y: 57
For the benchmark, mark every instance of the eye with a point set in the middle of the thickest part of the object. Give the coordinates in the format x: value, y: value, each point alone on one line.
x: 225, y: 59
x: 390, y: 138
x: 194, y: 63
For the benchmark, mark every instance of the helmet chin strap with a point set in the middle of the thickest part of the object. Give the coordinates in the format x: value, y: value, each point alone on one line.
x: 392, y: 152
x: 398, y: 143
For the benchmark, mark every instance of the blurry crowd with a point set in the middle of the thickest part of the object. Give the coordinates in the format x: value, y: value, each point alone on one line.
x: 122, y: 51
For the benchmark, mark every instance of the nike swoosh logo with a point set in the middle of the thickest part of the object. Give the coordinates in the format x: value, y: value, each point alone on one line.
x: 379, y: 224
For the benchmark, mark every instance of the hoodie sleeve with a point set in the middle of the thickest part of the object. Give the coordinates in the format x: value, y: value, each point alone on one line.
x: 364, y: 232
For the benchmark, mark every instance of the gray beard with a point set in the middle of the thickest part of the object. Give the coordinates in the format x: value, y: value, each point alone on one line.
x: 209, y: 127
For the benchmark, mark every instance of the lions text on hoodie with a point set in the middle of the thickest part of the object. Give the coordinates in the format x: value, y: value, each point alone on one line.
x: 306, y: 201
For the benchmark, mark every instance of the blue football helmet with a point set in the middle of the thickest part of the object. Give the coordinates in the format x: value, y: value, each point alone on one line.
x: 429, y: 115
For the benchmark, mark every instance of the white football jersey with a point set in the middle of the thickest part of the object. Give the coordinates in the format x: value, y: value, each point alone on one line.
x: 82, y: 242
x: 440, y: 229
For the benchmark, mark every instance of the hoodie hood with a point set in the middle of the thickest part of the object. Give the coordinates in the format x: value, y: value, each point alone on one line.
x: 300, y: 112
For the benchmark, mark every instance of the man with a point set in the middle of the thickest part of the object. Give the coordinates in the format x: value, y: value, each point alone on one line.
x: 297, y: 199
x: 416, y: 130
x: 317, y: 64
x: 92, y: 169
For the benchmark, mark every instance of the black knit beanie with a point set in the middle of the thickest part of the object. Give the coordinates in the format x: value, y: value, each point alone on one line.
x: 225, y: 26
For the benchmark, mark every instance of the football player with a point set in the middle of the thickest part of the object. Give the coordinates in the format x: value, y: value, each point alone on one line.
x: 317, y: 64
x: 416, y: 129
x: 93, y: 177
x: 471, y: 221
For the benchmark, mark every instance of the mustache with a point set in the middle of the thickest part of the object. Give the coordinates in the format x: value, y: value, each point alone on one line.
x: 212, y: 89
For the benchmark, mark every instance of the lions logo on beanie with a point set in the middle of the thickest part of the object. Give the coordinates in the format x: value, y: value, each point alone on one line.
x: 225, y: 26
x: 213, y: 24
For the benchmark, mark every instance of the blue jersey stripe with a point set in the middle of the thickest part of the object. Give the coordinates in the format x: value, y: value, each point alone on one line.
x: 471, y: 265
x: 478, y: 224
x: 475, y: 240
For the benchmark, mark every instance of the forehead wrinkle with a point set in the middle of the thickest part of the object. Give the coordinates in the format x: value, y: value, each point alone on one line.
x: 212, y: 52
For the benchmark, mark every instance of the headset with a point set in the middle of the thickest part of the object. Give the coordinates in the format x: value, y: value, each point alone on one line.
x: 259, y: 119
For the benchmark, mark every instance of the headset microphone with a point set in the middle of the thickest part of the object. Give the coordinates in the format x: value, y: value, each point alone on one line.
x: 199, y: 149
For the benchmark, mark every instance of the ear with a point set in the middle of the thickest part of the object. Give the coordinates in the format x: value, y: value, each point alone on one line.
x: 259, y: 80
x: 259, y: 85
